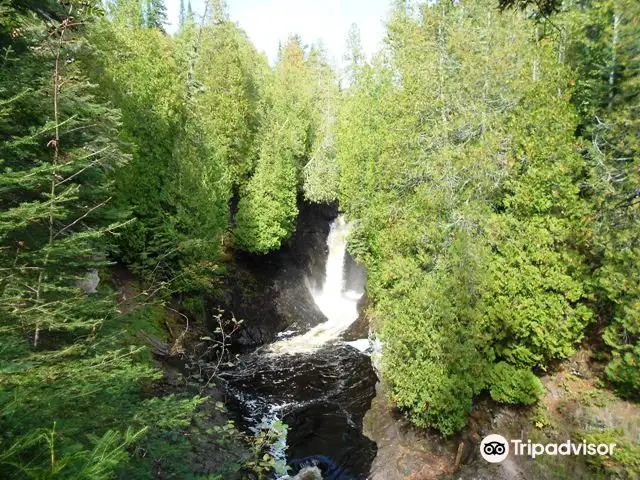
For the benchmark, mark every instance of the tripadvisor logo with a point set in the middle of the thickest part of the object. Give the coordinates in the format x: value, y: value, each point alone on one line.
x: 495, y: 448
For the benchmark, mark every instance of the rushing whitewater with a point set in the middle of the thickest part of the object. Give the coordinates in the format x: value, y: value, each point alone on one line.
x: 317, y: 384
x: 335, y: 299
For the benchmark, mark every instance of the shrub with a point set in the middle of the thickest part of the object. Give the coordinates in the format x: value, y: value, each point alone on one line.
x: 509, y: 384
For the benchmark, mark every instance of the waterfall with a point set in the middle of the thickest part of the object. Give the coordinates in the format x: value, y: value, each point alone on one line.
x: 317, y: 384
x: 338, y: 304
x: 334, y: 279
x: 337, y: 299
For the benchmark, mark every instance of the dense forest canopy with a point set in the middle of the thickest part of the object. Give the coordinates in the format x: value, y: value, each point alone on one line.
x: 487, y: 157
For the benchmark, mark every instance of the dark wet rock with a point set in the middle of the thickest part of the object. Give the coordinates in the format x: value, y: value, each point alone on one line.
x: 271, y: 292
x: 323, y: 397
x: 360, y: 328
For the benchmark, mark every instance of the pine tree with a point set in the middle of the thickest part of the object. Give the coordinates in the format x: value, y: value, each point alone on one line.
x: 58, y: 155
x: 354, y: 57
x: 268, y: 205
x: 190, y: 17
x: 229, y: 72
x: 321, y: 174
x: 536, y: 307
x: 72, y: 384
x: 617, y: 138
x: 176, y: 183
x: 603, y: 46
x: 156, y: 14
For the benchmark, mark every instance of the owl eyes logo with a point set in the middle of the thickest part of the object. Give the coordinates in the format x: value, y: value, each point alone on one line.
x: 494, y: 448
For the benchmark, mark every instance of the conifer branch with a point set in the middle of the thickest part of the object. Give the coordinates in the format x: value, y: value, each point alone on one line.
x: 87, y: 213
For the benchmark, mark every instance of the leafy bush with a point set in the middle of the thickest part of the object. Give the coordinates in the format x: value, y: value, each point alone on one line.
x: 510, y: 384
x: 624, y: 371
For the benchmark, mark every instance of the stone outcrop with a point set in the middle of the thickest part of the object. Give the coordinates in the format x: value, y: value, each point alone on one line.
x: 270, y: 292
x: 309, y: 473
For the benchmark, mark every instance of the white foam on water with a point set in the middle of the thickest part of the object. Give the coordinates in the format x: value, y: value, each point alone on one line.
x: 286, y: 333
x: 364, y: 345
x: 339, y: 305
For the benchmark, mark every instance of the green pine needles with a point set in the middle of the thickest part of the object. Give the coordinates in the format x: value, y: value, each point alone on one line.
x: 488, y: 162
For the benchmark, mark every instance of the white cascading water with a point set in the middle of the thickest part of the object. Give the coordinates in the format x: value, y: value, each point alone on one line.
x: 335, y: 301
x: 339, y: 304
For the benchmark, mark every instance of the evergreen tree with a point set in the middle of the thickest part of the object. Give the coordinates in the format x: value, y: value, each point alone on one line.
x: 176, y: 183
x: 599, y: 40
x: 229, y: 73
x: 321, y: 174
x: 58, y: 151
x: 464, y: 158
x: 488, y: 161
x: 71, y: 395
x: 156, y: 14
x: 603, y: 46
x: 536, y: 304
x: 190, y: 17
x: 354, y: 57
x: 268, y: 205
x: 617, y: 142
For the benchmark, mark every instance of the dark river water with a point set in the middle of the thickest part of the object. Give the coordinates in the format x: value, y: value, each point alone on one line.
x: 309, y: 377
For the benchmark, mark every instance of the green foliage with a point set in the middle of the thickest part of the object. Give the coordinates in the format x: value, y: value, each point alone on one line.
x: 262, y: 462
x: 543, y: 8
x: 177, y: 182
x: 493, y: 185
x: 459, y: 164
x: 509, y: 384
x: 494, y: 189
x: 321, y: 174
x: 230, y: 75
x: 618, y: 277
x: 268, y: 210
x: 625, y: 461
x: 434, y: 355
x: 155, y: 14
x: 294, y: 148
x: 534, y: 307
x: 603, y: 46
x: 72, y: 392
x: 268, y: 205
x: 100, y: 462
x: 624, y: 368
x: 57, y: 151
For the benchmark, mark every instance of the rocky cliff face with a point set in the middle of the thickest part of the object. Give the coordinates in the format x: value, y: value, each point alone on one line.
x: 270, y: 292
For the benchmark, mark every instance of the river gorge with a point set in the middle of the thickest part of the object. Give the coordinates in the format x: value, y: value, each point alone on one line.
x: 307, y: 358
x: 316, y: 374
